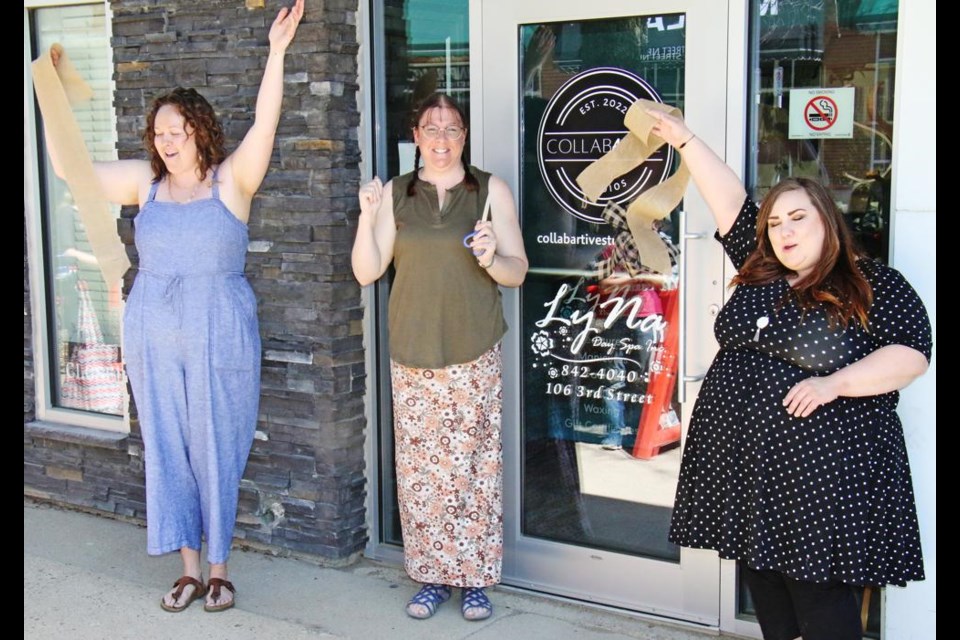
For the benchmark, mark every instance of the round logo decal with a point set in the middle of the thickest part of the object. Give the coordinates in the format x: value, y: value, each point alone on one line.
x: 582, y: 122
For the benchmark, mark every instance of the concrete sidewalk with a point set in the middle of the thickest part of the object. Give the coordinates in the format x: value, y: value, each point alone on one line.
x: 89, y: 577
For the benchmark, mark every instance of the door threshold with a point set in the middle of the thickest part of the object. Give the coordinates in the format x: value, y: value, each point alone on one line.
x: 661, y: 620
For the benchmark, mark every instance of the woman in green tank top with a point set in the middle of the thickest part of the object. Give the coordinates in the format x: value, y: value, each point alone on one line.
x: 446, y: 323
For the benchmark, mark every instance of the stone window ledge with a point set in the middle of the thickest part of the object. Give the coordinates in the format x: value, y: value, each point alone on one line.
x: 76, y: 435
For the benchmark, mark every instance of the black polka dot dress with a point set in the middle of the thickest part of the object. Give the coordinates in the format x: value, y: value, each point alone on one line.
x: 826, y: 497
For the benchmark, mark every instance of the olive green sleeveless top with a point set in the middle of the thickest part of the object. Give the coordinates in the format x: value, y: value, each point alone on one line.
x: 444, y: 308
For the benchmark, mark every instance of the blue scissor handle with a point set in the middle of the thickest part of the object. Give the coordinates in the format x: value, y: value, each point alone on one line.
x: 466, y: 242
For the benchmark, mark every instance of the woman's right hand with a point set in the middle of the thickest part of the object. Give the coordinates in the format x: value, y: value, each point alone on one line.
x: 672, y: 129
x: 371, y: 195
x: 376, y: 232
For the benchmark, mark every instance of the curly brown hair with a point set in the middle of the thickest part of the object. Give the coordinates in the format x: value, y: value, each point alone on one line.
x: 836, y: 282
x: 201, y: 122
x: 440, y: 101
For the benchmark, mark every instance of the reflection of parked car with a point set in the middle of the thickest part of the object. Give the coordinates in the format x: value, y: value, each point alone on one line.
x: 869, y: 214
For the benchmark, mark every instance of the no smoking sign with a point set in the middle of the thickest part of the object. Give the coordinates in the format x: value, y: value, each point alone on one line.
x: 821, y: 113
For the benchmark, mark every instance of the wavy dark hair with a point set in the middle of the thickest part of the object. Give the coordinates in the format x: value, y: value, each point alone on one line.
x: 200, y: 118
x: 440, y: 101
x: 836, y: 282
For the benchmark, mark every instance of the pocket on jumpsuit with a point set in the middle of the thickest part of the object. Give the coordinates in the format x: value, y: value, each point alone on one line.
x: 235, y: 363
x: 235, y: 342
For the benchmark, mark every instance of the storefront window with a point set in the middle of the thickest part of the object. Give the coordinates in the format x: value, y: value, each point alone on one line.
x: 425, y: 49
x: 822, y: 88
x: 83, y: 312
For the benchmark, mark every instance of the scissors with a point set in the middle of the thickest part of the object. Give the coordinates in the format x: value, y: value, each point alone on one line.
x: 469, y: 237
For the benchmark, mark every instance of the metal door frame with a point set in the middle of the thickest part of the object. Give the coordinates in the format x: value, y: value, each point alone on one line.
x: 703, y: 587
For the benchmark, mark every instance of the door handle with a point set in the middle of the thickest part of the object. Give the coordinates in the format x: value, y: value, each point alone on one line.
x: 684, y: 237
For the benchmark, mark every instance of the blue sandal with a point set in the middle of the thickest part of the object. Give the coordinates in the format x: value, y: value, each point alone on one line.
x: 475, y: 604
x: 430, y: 597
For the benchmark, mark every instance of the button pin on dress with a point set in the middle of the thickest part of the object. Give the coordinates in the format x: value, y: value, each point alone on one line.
x: 762, y: 323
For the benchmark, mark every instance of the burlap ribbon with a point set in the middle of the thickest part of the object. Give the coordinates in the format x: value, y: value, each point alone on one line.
x: 653, y: 204
x: 56, y: 89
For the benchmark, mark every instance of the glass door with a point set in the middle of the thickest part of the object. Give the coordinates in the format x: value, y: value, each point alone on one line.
x: 607, y: 345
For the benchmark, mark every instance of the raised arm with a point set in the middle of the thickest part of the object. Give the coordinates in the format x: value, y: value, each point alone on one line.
x: 500, y: 240
x: 376, y: 232
x: 248, y: 164
x: 718, y: 184
x: 120, y: 180
x: 124, y: 181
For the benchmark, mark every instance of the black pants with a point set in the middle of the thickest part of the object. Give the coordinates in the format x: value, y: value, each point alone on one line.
x: 788, y: 608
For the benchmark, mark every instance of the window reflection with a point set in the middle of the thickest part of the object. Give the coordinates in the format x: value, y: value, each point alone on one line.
x: 426, y: 48
x: 819, y: 44
x: 84, y: 311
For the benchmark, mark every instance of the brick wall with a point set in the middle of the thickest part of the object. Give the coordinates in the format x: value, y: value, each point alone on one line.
x: 304, y: 486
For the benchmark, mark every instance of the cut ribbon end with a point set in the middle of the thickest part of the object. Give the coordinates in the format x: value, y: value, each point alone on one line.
x: 655, y: 203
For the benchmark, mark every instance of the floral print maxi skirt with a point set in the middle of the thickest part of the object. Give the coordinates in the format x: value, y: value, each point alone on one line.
x: 449, y: 470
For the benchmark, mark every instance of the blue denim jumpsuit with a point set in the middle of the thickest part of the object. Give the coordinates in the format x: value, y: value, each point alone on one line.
x: 192, y: 351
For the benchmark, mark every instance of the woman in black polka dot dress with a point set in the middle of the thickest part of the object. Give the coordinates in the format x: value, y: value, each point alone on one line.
x: 795, y: 463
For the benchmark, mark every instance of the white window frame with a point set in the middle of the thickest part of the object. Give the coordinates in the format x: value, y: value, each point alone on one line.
x: 33, y: 214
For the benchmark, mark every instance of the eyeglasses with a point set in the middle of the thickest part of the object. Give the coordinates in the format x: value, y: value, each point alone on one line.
x: 452, y: 132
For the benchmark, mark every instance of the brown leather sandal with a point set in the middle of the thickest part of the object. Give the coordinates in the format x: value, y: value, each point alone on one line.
x: 213, y: 586
x: 182, y: 582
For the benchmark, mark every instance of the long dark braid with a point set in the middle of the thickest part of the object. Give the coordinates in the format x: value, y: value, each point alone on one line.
x: 412, y: 186
x: 433, y: 101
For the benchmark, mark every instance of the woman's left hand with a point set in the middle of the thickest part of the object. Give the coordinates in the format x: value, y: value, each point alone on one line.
x: 285, y: 26
x: 484, y: 243
x: 808, y: 395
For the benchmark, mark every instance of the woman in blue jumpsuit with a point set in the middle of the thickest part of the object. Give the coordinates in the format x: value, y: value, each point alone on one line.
x: 191, y: 338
